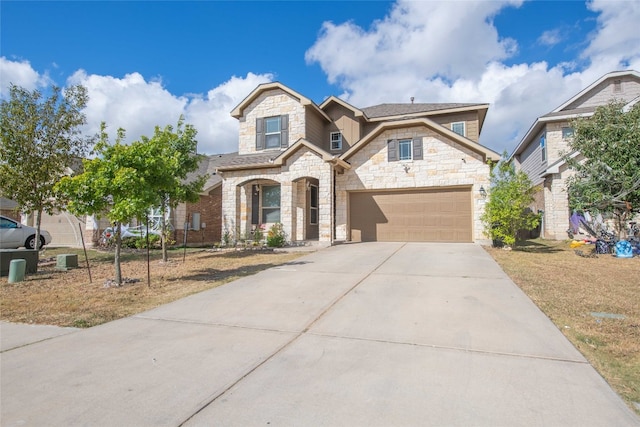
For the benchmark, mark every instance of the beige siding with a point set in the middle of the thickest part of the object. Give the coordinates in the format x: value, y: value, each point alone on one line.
x: 470, y: 120
x: 606, y: 91
x: 345, y: 122
x: 315, y: 125
x: 531, y: 160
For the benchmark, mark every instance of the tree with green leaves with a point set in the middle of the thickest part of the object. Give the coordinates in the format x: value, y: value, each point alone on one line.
x: 177, y: 150
x: 119, y: 184
x: 507, y: 210
x: 607, y: 179
x: 41, y: 138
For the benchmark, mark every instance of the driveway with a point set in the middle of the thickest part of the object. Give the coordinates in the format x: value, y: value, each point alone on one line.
x: 375, y: 334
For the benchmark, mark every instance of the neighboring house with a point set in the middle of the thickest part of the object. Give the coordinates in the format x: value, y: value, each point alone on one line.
x: 201, y: 219
x: 9, y: 208
x: 334, y: 172
x: 540, y: 153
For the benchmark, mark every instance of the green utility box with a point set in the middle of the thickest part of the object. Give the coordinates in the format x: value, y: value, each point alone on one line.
x: 66, y: 261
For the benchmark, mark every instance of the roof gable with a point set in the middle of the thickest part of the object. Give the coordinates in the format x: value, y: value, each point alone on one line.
x: 335, y: 100
x: 486, y: 152
x: 238, y: 111
x: 597, y: 86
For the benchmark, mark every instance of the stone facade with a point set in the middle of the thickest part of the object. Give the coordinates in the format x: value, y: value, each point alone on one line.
x: 299, y: 167
x: 445, y: 164
x: 449, y: 161
x: 272, y: 103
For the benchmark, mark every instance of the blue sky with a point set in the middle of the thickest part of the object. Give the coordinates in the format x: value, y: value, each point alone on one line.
x: 147, y: 62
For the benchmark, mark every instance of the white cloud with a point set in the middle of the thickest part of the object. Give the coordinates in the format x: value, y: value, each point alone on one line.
x: 615, y: 44
x: 452, y: 52
x: 448, y: 39
x: 20, y: 73
x: 550, y: 37
x: 138, y: 105
x: 217, y: 130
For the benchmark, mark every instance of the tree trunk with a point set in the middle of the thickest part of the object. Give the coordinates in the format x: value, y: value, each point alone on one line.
x: 38, y: 222
x: 118, y: 232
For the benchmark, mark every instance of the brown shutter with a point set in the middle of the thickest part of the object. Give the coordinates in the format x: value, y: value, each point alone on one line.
x: 284, y: 131
x: 392, y: 150
x: 417, y: 148
x: 259, y: 133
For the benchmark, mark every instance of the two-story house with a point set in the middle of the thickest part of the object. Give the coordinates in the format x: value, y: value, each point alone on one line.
x: 540, y: 152
x: 334, y: 172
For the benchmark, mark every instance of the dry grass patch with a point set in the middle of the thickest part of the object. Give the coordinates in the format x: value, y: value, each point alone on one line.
x: 66, y: 298
x: 572, y: 290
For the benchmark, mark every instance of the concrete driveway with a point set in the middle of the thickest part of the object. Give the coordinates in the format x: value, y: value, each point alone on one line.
x: 375, y: 334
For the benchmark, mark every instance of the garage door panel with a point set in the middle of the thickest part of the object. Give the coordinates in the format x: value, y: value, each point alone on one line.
x: 443, y: 215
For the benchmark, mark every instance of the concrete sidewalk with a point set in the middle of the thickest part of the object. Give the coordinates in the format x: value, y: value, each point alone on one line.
x: 353, y: 335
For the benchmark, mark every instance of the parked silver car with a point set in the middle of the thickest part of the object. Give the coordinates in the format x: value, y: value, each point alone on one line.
x: 14, y: 235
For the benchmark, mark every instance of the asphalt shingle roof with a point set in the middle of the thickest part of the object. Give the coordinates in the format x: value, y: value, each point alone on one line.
x: 384, y: 110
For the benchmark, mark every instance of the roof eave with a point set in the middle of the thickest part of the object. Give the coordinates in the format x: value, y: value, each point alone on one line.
x: 430, y: 113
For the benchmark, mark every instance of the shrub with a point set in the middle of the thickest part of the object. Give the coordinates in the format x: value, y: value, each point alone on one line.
x: 276, y: 237
x: 141, y: 242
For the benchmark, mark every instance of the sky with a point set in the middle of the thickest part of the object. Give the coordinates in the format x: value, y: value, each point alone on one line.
x: 146, y: 63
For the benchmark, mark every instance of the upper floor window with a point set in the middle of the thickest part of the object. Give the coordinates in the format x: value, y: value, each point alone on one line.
x: 567, y: 132
x: 458, y: 127
x: 404, y: 149
x: 543, y: 146
x: 272, y: 132
x: 336, y: 141
x: 617, y: 86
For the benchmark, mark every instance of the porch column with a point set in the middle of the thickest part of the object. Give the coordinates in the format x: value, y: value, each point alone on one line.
x: 287, y: 208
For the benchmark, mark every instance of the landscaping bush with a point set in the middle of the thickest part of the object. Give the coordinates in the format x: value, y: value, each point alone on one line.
x: 276, y: 237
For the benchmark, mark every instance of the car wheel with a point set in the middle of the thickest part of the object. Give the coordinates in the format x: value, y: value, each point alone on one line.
x: 31, y: 242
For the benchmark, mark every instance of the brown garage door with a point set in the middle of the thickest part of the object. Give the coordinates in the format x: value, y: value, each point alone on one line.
x: 442, y: 215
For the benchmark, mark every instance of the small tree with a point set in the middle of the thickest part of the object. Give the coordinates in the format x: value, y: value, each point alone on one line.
x: 608, y: 180
x: 40, y: 139
x: 507, y: 210
x: 117, y: 184
x: 177, y: 152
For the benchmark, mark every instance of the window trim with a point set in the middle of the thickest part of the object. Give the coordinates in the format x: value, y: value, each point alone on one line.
x: 264, y: 209
x: 313, y: 201
x: 278, y: 132
x: 464, y: 128
x: 331, y: 141
x: 566, y: 130
x: 393, y: 149
x: 406, y: 141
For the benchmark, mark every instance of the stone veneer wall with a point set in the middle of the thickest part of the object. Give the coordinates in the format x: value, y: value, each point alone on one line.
x: 270, y: 103
x: 446, y: 163
x: 236, y: 197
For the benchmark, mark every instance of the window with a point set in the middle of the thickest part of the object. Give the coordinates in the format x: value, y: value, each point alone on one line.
x: 336, y: 141
x: 458, y: 127
x: 272, y: 132
x: 567, y: 133
x: 313, y: 204
x: 404, y: 149
x: 270, y: 204
x: 617, y: 86
x: 543, y: 146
